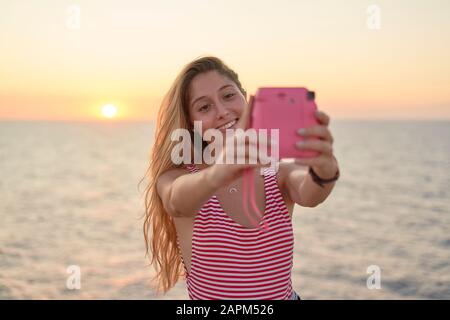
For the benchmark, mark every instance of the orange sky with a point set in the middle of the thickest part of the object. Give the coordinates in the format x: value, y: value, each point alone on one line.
x: 127, y: 54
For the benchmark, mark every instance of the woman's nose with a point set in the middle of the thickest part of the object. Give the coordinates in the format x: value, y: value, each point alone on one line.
x: 222, y: 111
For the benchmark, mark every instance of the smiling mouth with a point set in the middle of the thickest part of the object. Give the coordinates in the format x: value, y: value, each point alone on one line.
x: 228, y: 125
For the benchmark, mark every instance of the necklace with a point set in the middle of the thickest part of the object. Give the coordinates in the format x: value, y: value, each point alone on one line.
x: 232, y: 190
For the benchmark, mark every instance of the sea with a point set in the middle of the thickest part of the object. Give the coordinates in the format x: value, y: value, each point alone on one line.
x: 71, y: 213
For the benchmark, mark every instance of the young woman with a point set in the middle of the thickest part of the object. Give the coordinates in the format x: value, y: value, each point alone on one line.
x: 195, y: 226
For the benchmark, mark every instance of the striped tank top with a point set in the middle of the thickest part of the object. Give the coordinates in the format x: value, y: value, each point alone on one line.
x: 230, y: 261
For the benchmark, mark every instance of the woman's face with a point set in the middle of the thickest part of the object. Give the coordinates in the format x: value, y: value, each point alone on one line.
x: 215, y: 100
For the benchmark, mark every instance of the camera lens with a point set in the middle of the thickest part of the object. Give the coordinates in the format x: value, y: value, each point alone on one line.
x: 311, y: 95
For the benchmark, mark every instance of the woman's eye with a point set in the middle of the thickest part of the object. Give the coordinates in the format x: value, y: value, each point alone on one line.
x: 203, y: 108
x: 228, y: 96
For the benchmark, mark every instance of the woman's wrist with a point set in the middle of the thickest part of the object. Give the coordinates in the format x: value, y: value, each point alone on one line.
x: 328, y: 172
x: 327, y: 176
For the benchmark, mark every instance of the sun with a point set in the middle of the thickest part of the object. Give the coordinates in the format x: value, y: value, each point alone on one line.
x: 109, y: 110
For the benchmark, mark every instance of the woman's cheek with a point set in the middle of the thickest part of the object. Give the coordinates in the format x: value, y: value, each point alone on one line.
x: 240, y: 109
x: 207, y: 125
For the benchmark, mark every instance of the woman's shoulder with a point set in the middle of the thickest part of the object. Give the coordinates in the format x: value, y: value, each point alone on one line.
x: 284, y: 168
x: 280, y: 171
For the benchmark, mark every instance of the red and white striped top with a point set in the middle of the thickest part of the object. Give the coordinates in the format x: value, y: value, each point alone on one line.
x: 230, y: 261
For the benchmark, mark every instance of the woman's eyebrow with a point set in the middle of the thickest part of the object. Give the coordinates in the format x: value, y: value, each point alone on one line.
x: 199, y: 98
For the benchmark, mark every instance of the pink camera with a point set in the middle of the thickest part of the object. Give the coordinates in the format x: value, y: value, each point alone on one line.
x: 286, y: 109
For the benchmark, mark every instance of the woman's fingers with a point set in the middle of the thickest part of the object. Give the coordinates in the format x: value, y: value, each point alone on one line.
x: 318, y: 145
x: 322, y: 117
x: 317, y: 131
x: 252, y: 153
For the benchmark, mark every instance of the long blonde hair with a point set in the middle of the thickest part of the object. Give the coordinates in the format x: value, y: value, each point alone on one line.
x: 173, y: 113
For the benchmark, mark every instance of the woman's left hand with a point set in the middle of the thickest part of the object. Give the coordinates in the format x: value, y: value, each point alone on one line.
x: 325, y: 164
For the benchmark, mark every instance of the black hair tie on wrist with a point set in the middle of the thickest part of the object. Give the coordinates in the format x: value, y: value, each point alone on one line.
x: 321, y: 181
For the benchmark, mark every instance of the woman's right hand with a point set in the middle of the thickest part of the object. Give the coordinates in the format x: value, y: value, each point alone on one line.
x: 224, y: 173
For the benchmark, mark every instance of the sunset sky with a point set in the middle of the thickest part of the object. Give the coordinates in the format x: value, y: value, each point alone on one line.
x: 127, y: 53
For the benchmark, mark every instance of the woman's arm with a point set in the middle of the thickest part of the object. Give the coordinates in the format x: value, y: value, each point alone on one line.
x: 183, y: 194
x: 301, y: 188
